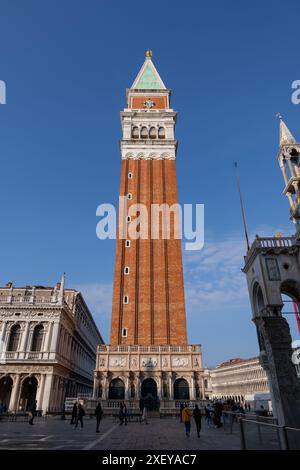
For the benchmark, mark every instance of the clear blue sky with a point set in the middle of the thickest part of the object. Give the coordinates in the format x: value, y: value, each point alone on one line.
x: 67, y: 64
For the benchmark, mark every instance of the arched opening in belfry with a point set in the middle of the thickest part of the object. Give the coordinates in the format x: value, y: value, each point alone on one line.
x: 153, y: 133
x: 6, y: 385
x: 291, y: 308
x: 291, y: 164
x: 181, y: 390
x: 161, y: 133
x: 149, y: 388
x: 144, y: 133
x: 135, y: 132
x: 14, y: 338
x: 37, y: 339
x: 116, y: 390
x: 258, y: 298
x: 28, y: 393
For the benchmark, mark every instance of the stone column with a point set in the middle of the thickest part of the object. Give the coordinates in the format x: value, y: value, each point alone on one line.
x: 283, y: 171
x: 203, y: 391
x: 96, y: 386
x: 171, y: 388
x: 14, y: 397
x: 137, y: 386
x: 276, y: 353
x: 23, y: 347
x: 48, y: 337
x: 288, y: 159
x: 54, y: 397
x: 106, y: 387
x: 2, y: 337
x: 40, y: 391
x: 159, y: 387
x: 192, y: 388
x: 47, y: 392
x: 54, y: 336
x: 69, y: 347
x: 62, y: 393
x: 127, y: 391
x: 65, y: 343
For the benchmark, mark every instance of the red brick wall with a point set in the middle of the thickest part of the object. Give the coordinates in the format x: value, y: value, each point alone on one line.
x: 156, y: 310
x: 137, y: 102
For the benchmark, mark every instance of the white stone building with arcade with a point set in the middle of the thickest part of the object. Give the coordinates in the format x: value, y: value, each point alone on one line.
x: 171, y: 373
x: 48, y: 342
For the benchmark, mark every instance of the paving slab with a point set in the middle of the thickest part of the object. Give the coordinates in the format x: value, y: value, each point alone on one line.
x: 159, y: 434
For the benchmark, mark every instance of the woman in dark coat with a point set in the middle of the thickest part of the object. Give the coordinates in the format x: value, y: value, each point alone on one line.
x: 80, y: 416
x: 98, y: 413
x: 197, y: 418
x: 74, y: 413
x: 123, y: 413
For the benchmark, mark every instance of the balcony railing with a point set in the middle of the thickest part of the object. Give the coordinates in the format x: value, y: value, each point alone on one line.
x: 148, y: 349
x: 29, y: 355
x: 269, y: 243
x: 273, y: 242
x: 28, y: 300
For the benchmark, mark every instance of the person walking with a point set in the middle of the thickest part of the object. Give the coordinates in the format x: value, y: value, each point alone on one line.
x: 123, y: 413
x: 80, y: 415
x: 197, y: 418
x: 98, y: 413
x: 141, y: 405
x: 144, y: 415
x: 186, y: 419
x: 74, y: 413
x: 32, y: 412
x: 207, y: 415
x: 180, y: 413
x: 218, y: 408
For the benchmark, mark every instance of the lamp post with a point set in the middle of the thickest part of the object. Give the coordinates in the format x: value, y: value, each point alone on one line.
x: 63, y: 415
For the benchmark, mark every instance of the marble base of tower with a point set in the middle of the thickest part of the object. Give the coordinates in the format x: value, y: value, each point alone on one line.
x: 121, y: 371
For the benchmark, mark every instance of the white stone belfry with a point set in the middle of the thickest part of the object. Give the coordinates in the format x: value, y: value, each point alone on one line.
x: 272, y: 266
x: 288, y: 158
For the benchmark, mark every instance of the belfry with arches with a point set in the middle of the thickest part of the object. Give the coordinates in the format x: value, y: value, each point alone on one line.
x: 272, y: 267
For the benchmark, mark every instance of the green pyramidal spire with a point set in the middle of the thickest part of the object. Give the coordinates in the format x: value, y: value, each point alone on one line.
x: 148, y: 80
x: 148, y: 77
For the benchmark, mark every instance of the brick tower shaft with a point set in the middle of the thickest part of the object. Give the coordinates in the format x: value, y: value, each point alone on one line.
x: 148, y: 297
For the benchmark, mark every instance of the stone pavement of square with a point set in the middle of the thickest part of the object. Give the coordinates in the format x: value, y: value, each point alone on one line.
x: 160, y: 434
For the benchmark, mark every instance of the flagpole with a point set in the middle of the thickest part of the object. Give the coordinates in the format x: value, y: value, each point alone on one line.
x: 297, y: 314
x: 242, y: 205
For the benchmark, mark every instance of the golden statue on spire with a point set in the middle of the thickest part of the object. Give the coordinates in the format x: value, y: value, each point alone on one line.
x: 149, y: 53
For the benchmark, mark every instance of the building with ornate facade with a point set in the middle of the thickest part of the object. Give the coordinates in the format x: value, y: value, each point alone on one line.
x: 207, y: 385
x: 272, y: 268
x: 239, y: 379
x: 148, y: 352
x: 48, y: 342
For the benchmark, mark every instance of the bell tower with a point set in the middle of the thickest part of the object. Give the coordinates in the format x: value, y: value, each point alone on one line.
x: 148, y: 301
x: 272, y: 267
x: 148, y: 354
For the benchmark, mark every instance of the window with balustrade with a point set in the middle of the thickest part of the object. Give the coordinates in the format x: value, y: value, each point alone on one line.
x: 14, y: 338
x: 37, y: 339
